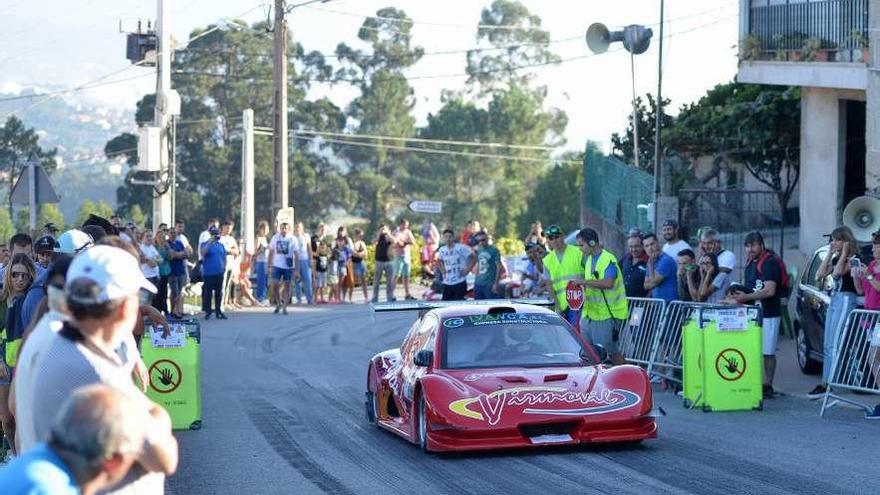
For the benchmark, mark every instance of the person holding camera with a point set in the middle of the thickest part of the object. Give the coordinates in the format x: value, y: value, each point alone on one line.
x: 605, y: 307
x: 842, y: 253
x: 213, y: 269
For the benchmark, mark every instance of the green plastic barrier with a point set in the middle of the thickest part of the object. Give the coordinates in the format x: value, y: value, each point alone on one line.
x: 733, y: 362
x: 692, y: 363
x: 173, y: 364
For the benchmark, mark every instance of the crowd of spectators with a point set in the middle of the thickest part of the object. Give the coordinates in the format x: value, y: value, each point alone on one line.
x: 73, y: 408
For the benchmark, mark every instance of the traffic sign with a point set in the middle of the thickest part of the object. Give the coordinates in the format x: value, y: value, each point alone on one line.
x: 285, y: 215
x: 45, y: 193
x: 574, y: 295
x: 426, y: 206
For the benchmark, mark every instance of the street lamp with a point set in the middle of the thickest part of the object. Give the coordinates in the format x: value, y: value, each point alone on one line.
x: 636, y: 40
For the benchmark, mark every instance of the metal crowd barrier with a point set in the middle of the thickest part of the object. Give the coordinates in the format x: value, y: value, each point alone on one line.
x: 636, y: 341
x: 651, y: 336
x: 665, y: 359
x: 856, y: 365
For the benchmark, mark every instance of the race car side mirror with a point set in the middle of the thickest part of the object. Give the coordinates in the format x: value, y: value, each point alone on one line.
x: 423, y: 358
x: 603, y: 354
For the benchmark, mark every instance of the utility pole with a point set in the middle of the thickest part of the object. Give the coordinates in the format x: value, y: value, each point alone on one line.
x: 658, y: 166
x: 32, y: 193
x: 167, y: 106
x: 247, y: 179
x: 279, y: 139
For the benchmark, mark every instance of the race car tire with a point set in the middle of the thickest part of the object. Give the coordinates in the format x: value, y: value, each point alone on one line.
x: 422, y: 424
x: 372, y: 408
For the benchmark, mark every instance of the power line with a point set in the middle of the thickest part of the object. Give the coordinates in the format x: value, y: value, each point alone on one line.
x: 63, y: 91
x: 105, y: 76
x: 483, y: 26
x: 425, y: 140
x: 433, y: 151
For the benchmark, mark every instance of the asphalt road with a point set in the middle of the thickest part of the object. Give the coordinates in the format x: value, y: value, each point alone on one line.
x: 283, y: 413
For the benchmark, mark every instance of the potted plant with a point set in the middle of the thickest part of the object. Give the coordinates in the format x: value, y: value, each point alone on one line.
x: 812, y: 51
x: 860, y: 40
x: 750, y: 48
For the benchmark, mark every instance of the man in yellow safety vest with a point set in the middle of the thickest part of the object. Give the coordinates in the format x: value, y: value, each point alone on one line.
x: 563, y: 264
x: 605, y: 305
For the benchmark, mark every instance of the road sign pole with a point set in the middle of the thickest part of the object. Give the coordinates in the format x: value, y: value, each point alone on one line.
x: 32, y: 193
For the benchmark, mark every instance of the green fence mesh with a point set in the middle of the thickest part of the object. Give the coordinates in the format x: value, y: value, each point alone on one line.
x: 613, y: 190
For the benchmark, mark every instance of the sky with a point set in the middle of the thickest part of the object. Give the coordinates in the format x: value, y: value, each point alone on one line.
x: 65, y: 43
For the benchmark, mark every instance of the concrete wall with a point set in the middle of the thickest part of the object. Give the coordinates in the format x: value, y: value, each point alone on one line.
x: 872, y: 142
x: 821, y: 165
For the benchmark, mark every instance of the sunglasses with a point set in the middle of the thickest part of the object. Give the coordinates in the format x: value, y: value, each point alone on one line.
x: 553, y: 236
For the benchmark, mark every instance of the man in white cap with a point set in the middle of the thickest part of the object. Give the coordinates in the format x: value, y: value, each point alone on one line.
x: 71, y: 242
x: 102, y: 288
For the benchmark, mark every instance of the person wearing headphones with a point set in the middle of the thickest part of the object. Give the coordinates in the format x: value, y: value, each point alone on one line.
x: 562, y: 264
x: 605, y: 307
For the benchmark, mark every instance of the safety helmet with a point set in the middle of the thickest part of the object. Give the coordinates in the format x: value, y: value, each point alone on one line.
x: 74, y: 241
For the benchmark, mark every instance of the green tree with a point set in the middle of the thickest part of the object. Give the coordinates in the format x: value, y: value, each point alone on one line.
x: 557, y: 194
x: 754, y: 125
x: 384, y: 107
x: 622, y: 144
x: 136, y: 215
x: 515, y: 40
x: 218, y: 76
x: 7, y: 229
x: 17, y: 144
x: 101, y: 209
x: 46, y: 213
x: 49, y: 213
x: 512, y: 44
x: 462, y: 183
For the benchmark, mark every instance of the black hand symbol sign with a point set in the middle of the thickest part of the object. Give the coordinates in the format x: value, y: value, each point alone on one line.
x: 165, y: 377
x: 732, y: 364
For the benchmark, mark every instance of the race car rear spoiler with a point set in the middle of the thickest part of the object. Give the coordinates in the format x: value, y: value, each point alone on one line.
x: 429, y: 305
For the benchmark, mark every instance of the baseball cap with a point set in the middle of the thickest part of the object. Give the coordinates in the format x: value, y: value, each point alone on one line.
x: 553, y: 231
x: 44, y: 244
x: 73, y: 241
x: 670, y: 223
x: 112, y: 272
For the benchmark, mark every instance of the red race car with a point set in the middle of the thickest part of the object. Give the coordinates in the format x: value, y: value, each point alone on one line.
x: 502, y: 375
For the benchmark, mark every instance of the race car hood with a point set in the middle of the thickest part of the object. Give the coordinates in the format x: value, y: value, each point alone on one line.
x: 514, y: 396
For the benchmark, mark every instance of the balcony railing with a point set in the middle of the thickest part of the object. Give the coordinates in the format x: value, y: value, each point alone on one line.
x: 805, y: 30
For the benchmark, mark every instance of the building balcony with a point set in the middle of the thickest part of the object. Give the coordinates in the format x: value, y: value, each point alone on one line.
x: 820, y: 43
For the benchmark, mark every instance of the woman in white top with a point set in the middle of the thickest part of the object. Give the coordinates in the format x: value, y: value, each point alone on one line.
x: 261, y: 260
x: 150, y: 257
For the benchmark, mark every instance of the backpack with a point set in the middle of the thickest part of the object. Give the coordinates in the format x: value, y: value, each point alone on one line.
x: 785, y: 281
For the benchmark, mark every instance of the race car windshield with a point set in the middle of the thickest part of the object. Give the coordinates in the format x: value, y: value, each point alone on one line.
x: 510, y: 340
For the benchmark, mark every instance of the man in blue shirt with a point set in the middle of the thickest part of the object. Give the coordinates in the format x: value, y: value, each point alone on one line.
x: 213, y: 268
x: 95, y: 439
x: 489, y: 268
x: 661, y: 279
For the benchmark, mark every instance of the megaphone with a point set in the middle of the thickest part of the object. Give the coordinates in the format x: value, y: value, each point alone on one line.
x: 635, y: 38
x: 599, y: 37
x: 862, y: 216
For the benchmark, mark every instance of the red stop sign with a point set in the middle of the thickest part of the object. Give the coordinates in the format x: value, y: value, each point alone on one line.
x: 574, y: 295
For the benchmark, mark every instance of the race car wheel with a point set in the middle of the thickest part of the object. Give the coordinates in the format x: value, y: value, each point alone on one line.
x: 422, y: 425
x: 372, y: 407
